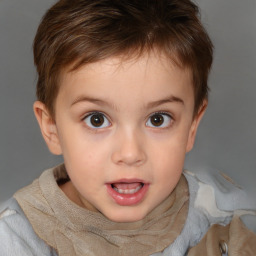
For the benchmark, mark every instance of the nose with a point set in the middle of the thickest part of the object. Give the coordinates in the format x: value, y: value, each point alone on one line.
x: 129, y: 150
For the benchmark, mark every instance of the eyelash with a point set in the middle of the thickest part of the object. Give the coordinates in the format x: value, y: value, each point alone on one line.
x: 162, y: 113
x: 96, y: 113
x: 105, y: 118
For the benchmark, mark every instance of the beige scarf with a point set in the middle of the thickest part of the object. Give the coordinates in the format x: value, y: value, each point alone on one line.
x: 75, y: 231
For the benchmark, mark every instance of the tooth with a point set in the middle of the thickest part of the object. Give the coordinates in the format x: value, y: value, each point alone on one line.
x: 127, y: 191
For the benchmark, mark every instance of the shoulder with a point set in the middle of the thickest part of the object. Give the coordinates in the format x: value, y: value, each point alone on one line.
x: 215, y: 205
x: 226, y: 212
x: 17, y: 236
x: 232, y: 239
x: 220, y: 198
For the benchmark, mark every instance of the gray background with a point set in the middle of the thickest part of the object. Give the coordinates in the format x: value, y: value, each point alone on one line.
x: 227, y: 135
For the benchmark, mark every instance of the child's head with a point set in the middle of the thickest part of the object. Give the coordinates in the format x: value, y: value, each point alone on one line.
x: 76, y: 33
x: 122, y: 88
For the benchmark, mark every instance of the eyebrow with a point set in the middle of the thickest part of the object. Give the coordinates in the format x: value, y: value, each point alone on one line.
x: 92, y: 100
x: 170, y: 99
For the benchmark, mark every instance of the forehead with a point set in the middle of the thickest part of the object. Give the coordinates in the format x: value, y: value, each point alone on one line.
x: 147, y: 77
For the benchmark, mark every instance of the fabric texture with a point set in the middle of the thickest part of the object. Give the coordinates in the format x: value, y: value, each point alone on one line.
x: 208, y: 225
x: 73, y: 230
x: 17, y: 237
x: 238, y: 241
x: 208, y: 229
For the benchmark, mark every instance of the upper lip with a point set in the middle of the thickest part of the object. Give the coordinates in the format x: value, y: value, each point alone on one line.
x: 124, y: 180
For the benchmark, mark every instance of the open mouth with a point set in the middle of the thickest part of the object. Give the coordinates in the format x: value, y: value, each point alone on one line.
x: 127, y: 193
x: 127, y: 188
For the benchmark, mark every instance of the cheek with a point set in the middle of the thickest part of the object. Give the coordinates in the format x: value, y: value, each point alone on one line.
x: 167, y: 158
x: 85, y: 157
x: 78, y: 147
x: 170, y: 165
x: 85, y: 165
x: 169, y: 148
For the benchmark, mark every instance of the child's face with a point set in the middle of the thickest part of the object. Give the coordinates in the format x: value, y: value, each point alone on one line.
x: 124, y: 130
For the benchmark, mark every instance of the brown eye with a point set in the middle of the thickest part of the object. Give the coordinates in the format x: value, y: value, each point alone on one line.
x: 159, y: 120
x: 97, y: 120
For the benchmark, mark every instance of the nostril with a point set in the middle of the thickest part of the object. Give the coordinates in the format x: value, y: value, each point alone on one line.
x: 132, y: 159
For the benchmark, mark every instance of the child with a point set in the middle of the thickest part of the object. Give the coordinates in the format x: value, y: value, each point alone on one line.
x: 122, y: 87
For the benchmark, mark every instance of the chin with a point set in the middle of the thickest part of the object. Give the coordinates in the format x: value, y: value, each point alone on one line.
x: 125, y: 216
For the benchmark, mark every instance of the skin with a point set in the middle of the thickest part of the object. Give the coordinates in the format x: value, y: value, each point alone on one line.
x: 128, y: 144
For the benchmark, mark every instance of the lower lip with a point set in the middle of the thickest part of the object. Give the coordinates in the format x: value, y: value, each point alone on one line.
x: 128, y: 199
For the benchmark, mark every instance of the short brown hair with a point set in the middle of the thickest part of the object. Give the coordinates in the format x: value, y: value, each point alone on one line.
x: 78, y: 32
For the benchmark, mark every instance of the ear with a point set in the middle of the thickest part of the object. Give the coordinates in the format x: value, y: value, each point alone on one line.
x: 195, y: 124
x: 48, y: 127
